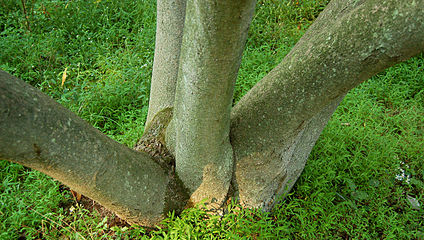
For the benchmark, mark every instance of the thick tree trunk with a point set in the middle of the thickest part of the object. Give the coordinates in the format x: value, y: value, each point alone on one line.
x: 37, y: 132
x: 213, y: 42
x: 349, y: 42
x: 273, y: 128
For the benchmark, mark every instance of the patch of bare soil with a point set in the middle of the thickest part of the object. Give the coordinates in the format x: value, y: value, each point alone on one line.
x: 92, y: 206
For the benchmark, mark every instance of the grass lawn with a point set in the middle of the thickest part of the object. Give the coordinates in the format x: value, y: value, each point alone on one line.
x: 364, y: 178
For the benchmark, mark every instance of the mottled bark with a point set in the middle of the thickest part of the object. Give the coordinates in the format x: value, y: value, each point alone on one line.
x: 273, y: 128
x: 39, y: 133
x: 169, y: 34
x: 348, y: 43
x: 265, y: 176
x: 214, y: 36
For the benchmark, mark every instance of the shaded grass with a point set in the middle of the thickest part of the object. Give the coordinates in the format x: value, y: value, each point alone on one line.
x: 348, y: 189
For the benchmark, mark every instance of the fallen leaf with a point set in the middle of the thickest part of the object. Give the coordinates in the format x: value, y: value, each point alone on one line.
x: 414, y: 202
x: 64, y: 76
x: 76, y: 195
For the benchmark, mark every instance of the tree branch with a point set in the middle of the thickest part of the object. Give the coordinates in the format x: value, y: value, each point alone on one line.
x: 37, y: 132
x: 348, y: 43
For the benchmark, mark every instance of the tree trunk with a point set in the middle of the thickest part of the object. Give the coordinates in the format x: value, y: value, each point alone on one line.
x: 260, y: 147
x: 169, y: 34
x: 213, y: 42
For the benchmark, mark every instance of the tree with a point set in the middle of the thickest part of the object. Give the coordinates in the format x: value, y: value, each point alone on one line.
x: 196, y: 145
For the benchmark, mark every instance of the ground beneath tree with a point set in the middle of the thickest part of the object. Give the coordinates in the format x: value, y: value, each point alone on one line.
x: 92, y: 206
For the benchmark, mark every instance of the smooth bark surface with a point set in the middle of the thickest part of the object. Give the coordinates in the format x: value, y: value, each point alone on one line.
x: 169, y: 34
x: 39, y: 133
x: 214, y: 36
x: 349, y: 42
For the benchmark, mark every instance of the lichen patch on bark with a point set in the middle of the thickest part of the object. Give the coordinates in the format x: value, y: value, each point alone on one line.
x: 153, y: 139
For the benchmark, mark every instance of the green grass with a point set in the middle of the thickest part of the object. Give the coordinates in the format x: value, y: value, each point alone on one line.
x: 348, y: 189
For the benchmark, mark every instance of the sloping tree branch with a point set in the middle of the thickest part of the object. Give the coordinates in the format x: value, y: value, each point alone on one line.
x: 37, y: 132
x: 348, y: 43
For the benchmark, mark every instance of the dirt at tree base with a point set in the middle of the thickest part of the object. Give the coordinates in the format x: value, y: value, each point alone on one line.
x: 91, y: 206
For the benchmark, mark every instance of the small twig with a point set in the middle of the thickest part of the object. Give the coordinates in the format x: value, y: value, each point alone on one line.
x: 352, y: 204
x: 85, y: 222
x: 338, y: 194
x: 26, y: 15
x: 58, y: 224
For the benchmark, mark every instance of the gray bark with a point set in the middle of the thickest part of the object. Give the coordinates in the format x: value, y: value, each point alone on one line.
x: 214, y: 36
x: 273, y: 128
x: 169, y: 34
x: 348, y: 43
x: 261, y: 179
x: 39, y: 133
